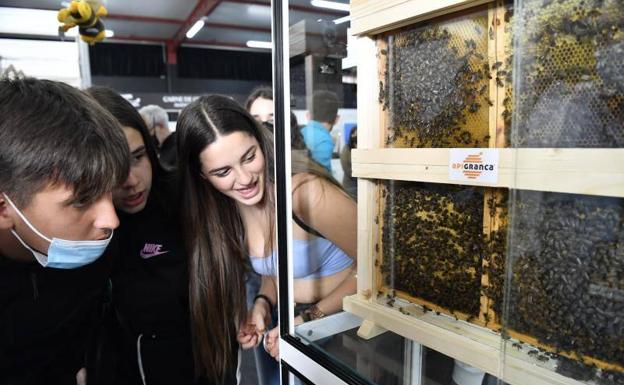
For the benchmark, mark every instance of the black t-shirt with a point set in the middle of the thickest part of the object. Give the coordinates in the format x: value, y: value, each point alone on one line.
x: 47, y: 316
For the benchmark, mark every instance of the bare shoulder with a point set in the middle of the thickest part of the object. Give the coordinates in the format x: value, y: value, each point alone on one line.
x: 307, y: 185
x: 302, y: 178
x: 313, y: 191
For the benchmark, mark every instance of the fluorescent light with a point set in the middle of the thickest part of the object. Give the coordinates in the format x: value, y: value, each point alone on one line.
x: 259, y: 10
x: 199, y: 24
x: 330, y: 5
x: 342, y: 20
x: 39, y: 22
x: 259, y: 44
x: 109, y: 33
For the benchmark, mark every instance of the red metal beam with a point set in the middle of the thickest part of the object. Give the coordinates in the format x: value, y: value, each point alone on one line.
x: 144, y: 19
x: 149, y: 19
x: 300, y: 8
x: 215, y: 43
x: 139, y: 39
x: 202, y: 9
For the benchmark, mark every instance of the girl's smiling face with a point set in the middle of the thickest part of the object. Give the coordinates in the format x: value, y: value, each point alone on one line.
x: 234, y: 165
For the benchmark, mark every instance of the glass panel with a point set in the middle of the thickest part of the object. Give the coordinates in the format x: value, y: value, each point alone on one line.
x: 571, y: 74
x: 323, y: 132
x: 566, y: 294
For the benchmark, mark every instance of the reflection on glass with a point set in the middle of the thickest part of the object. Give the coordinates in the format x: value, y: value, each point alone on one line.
x: 324, y: 209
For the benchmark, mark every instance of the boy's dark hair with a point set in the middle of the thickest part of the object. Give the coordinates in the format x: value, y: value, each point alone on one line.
x: 264, y: 92
x: 324, y: 107
x: 52, y: 133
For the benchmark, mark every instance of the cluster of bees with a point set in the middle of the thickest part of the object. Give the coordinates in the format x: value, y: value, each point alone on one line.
x: 567, y: 286
x: 433, y: 243
x: 436, y: 85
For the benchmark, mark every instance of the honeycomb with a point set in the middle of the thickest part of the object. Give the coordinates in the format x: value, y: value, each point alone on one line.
x: 570, y: 80
x: 436, y: 84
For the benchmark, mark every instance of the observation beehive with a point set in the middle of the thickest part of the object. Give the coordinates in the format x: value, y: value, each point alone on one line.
x: 537, y: 257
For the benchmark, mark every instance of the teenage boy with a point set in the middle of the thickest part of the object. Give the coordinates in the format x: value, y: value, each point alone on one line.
x: 61, y: 155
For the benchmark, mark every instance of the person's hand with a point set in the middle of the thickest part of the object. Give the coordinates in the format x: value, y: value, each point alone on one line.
x: 261, y: 315
x: 250, y: 333
x: 81, y: 377
x: 247, y: 336
x: 271, y: 343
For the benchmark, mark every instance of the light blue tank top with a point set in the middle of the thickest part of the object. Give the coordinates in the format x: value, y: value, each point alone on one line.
x: 314, y: 258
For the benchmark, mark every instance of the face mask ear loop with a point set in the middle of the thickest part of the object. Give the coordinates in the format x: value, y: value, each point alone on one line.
x: 26, y: 220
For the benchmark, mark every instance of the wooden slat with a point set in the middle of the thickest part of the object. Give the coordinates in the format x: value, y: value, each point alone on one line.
x: 567, y: 170
x: 374, y: 16
x: 471, y: 344
x: 432, y: 306
x: 488, y: 221
x: 497, y: 139
x: 368, y: 116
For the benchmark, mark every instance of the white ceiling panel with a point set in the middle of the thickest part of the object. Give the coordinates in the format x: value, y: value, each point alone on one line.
x: 41, y: 4
x: 178, y: 9
x: 253, y: 15
x: 229, y: 36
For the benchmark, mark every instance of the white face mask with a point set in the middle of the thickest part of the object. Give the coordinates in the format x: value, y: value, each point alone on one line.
x: 63, y: 254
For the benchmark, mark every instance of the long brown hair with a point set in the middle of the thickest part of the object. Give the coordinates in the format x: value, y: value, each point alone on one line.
x: 214, y: 232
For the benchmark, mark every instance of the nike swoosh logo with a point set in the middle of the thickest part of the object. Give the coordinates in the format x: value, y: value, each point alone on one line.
x: 150, y: 255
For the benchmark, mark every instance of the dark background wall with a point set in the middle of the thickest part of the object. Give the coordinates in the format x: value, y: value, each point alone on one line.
x: 142, y: 68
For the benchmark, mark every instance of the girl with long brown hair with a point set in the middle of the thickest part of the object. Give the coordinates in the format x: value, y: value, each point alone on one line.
x: 228, y: 209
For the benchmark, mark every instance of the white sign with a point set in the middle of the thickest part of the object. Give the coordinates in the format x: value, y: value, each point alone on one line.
x: 478, y: 165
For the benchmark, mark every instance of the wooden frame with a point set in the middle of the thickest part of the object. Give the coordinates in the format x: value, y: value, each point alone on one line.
x: 565, y: 170
x: 473, y: 345
x: 373, y: 16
